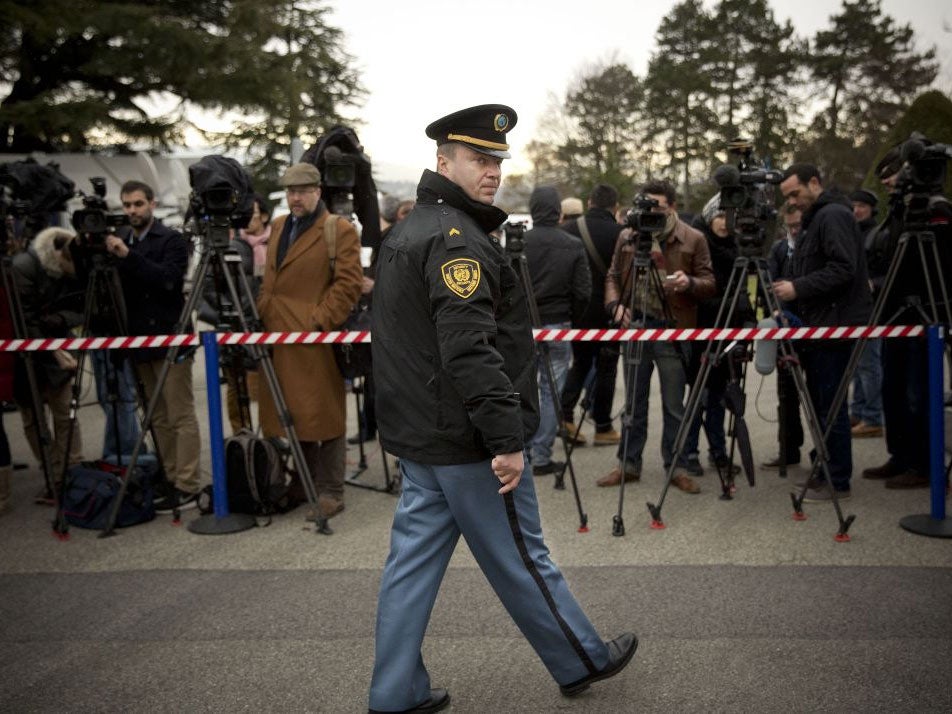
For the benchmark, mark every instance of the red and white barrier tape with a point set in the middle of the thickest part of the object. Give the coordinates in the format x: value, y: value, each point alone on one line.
x: 569, y: 335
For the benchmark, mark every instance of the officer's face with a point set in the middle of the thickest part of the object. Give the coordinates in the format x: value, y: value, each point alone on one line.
x: 138, y: 208
x: 477, y: 174
x: 302, y: 200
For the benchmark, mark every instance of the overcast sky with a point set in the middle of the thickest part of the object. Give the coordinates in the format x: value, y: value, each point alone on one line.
x: 421, y: 59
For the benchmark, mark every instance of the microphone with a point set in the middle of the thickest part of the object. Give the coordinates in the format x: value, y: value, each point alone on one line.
x: 727, y: 175
x: 912, y: 150
x: 765, y: 351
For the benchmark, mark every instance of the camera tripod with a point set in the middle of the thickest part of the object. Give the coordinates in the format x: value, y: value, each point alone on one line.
x: 645, y: 280
x: 391, y: 485
x: 102, y: 286
x: 927, y: 249
x: 226, y: 263
x: 517, y: 255
x: 735, y: 289
x: 20, y: 331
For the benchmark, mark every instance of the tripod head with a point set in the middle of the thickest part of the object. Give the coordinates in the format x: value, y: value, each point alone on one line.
x: 515, y: 234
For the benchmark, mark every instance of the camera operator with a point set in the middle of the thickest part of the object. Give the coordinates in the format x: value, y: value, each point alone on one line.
x: 562, y: 285
x: 682, y: 257
x: 152, y: 260
x: 905, y: 374
x: 778, y: 268
x: 830, y: 283
x: 52, y: 301
x: 712, y: 222
x: 303, y: 291
x: 602, y: 229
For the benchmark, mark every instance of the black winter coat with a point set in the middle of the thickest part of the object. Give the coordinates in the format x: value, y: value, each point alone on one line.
x: 829, y: 266
x: 604, y: 230
x: 153, y: 275
x: 558, y: 268
x: 453, y: 354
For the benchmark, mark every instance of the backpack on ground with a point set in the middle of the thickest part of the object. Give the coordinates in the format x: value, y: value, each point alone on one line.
x: 257, y: 482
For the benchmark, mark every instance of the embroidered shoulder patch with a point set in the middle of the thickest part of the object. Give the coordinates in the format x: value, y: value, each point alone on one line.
x: 462, y: 276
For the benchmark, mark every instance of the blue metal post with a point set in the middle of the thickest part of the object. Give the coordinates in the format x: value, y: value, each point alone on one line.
x: 936, y: 422
x: 216, y: 434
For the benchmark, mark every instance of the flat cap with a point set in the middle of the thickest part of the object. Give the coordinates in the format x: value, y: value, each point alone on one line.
x: 889, y: 164
x: 861, y: 195
x: 302, y: 174
x: 482, y: 128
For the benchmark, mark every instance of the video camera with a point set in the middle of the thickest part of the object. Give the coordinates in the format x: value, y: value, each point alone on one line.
x: 515, y: 237
x: 347, y: 185
x: 925, y: 165
x: 222, y: 197
x: 746, y: 195
x: 94, y: 221
x: 645, y: 220
x: 30, y: 192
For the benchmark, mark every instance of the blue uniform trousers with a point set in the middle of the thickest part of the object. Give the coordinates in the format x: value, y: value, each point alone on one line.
x: 504, y: 533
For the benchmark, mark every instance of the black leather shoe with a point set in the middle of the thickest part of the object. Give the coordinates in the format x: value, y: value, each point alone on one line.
x: 620, y: 651
x: 438, y: 700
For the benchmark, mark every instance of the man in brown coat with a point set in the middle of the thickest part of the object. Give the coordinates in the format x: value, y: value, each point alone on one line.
x: 683, y: 259
x: 301, y: 292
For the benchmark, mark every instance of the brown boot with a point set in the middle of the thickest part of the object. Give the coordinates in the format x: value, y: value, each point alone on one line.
x: 908, y: 479
x: 681, y: 480
x: 613, y: 477
x: 330, y: 506
x: 6, y: 488
x: 887, y: 470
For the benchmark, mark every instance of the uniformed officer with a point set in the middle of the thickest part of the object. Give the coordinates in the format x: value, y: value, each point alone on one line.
x: 456, y: 400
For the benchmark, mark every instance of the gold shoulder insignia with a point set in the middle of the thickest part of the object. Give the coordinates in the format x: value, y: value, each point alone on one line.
x: 455, y: 232
x: 462, y: 276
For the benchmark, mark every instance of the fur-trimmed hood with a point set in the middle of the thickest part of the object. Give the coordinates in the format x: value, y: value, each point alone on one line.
x: 51, y: 246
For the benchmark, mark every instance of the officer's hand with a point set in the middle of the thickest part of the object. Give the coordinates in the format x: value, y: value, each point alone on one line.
x: 508, y: 469
x: 117, y: 246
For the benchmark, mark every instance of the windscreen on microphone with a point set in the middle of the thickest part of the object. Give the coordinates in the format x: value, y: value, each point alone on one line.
x: 727, y: 175
x: 912, y: 150
x: 765, y: 351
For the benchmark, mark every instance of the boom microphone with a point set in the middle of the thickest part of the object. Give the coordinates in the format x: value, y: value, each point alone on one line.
x: 765, y: 351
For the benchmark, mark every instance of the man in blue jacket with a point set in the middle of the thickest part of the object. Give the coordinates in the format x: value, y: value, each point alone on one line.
x: 830, y: 283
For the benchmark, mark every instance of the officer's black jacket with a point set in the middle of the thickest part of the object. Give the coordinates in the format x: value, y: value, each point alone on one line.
x: 453, y: 354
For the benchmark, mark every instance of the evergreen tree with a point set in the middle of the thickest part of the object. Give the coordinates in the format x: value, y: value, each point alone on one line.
x: 88, y: 73
x: 680, y: 91
x: 754, y: 65
x: 866, y: 69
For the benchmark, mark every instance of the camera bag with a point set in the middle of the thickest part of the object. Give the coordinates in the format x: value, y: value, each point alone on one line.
x: 91, y: 489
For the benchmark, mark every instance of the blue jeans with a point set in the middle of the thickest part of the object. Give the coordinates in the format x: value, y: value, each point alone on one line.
x: 666, y: 355
x: 824, y: 368
x: 560, y: 354
x: 867, y: 404
x: 504, y: 534
x: 125, y: 405
x: 711, y: 411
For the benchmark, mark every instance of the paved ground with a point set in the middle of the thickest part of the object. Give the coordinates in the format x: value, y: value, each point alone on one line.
x: 739, y: 607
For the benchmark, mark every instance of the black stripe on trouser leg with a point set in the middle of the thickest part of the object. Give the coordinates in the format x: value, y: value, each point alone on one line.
x: 543, y: 588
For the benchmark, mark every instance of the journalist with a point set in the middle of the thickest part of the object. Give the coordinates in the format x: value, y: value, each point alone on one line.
x: 152, y: 260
